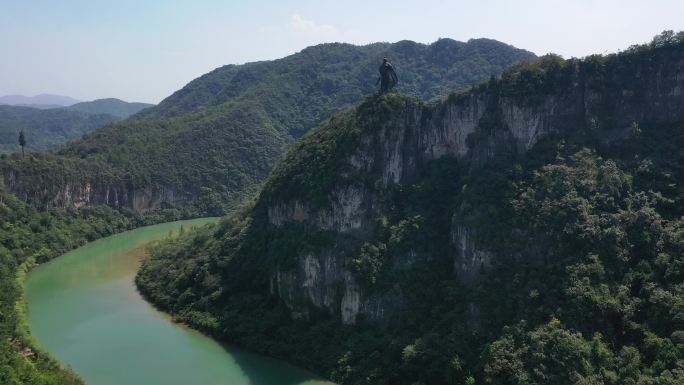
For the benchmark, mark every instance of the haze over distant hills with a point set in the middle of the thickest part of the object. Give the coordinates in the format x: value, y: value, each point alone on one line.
x: 47, y: 127
x: 111, y: 106
x: 39, y: 101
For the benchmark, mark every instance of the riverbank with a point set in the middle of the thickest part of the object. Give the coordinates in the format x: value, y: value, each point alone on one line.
x: 84, y: 308
x: 27, y: 347
x: 30, y: 234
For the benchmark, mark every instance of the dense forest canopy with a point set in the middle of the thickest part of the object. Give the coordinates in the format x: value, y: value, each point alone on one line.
x: 214, y: 140
x: 45, y: 128
x: 50, y: 127
x: 584, y: 229
x: 219, y: 134
x: 580, y: 238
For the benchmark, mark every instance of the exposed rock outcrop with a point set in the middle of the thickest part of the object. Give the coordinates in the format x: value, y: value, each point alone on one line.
x: 469, y: 128
x: 80, y: 192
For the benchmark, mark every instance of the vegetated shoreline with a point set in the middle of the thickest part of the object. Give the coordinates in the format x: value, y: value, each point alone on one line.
x: 207, y: 333
x: 21, y: 308
x: 578, y: 155
x: 137, y: 253
x: 23, y: 330
x: 28, y: 347
x: 196, y: 327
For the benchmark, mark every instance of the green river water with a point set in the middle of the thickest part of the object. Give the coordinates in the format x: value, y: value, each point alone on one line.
x: 84, y: 309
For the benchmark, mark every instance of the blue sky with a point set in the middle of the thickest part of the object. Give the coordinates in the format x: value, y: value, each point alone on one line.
x: 143, y: 50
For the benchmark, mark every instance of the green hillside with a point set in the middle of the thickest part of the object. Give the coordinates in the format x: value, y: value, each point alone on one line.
x: 528, y: 231
x: 110, y: 106
x: 45, y: 128
x: 212, y: 142
x: 227, y: 144
x: 300, y: 90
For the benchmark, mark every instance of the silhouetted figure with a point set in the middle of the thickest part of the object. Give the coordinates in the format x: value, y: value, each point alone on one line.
x: 22, y: 141
x: 388, y: 78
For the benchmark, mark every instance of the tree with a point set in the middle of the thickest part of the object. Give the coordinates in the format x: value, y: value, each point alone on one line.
x: 547, y: 354
x: 22, y: 142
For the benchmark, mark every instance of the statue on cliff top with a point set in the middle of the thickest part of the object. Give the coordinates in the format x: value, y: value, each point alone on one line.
x: 388, y: 78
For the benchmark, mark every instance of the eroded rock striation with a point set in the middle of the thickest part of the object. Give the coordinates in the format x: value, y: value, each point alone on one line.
x: 404, y: 242
x: 396, y: 139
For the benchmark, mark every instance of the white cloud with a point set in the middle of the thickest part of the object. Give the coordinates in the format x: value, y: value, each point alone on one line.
x: 302, y: 25
x: 309, y: 32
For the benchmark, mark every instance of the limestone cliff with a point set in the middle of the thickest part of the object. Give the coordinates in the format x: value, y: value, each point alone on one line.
x: 66, y: 191
x: 461, y: 239
x: 396, y: 139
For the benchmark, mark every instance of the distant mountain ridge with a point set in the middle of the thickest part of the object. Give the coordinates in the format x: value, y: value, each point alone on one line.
x: 38, y: 100
x: 346, y: 72
x: 211, y: 143
x: 48, y: 127
x: 38, y: 106
x: 112, y: 106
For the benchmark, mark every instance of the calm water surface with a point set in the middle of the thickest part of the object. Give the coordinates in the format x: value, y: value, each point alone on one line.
x: 84, y: 309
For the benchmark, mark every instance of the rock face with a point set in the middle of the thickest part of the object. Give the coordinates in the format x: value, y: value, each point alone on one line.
x: 81, y: 192
x: 469, y: 128
x: 468, y: 259
x: 225, y: 130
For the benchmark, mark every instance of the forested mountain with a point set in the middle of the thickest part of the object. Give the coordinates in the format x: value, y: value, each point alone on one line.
x: 209, y: 144
x: 110, y: 106
x: 304, y: 88
x: 527, y: 231
x: 226, y: 143
x: 45, y: 128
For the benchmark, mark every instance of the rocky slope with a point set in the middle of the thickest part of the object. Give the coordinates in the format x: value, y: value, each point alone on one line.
x: 213, y: 141
x: 402, y: 139
x: 461, y: 238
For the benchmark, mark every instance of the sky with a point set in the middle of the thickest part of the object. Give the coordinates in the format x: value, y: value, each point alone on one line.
x: 144, y: 50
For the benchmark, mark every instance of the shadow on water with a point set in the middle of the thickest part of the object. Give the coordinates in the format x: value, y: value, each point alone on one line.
x: 278, y: 372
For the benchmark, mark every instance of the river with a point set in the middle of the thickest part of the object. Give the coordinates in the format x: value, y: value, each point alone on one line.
x: 83, y: 308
